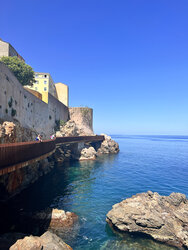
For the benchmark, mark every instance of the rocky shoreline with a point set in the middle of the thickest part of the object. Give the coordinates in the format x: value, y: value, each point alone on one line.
x: 164, y: 218
x: 10, y: 132
x: 47, y: 241
x: 42, y: 230
x: 58, y: 224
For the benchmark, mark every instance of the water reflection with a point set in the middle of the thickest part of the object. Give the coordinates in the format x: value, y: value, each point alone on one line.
x: 90, y: 188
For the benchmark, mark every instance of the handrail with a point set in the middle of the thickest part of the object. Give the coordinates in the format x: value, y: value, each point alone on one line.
x: 15, y: 153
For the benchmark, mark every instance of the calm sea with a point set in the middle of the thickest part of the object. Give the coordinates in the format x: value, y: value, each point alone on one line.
x: 157, y: 163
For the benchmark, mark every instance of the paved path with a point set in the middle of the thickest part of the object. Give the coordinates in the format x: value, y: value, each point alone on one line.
x: 17, y: 155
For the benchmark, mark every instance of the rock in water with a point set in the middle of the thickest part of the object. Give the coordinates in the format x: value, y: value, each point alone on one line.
x: 58, y: 221
x: 88, y: 154
x: 165, y: 218
x: 51, y: 241
x: 108, y: 146
x: 60, y: 218
x: 47, y: 241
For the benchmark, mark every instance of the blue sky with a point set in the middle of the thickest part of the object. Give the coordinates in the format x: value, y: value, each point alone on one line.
x: 127, y: 59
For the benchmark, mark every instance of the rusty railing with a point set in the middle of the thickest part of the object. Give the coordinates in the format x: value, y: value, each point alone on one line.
x: 15, y: 153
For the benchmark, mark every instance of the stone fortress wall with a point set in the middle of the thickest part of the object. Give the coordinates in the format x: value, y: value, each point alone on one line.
x: 17, y: 103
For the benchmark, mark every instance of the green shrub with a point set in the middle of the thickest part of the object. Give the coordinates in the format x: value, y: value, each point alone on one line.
x: 62, y: 123
x: 23, y: 72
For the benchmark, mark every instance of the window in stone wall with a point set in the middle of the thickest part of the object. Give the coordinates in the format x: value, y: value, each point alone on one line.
x: 45, y: 82
x: 45, y: 88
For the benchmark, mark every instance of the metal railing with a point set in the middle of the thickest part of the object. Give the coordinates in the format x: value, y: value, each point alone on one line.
x: 15, y: 153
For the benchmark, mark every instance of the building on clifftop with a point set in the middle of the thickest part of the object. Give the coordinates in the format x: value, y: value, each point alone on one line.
x: 45, y: 85
x: 62, y: 91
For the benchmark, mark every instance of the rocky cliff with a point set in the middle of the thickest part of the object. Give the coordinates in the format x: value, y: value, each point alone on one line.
x: 11, y: 132
x: 83, y: 117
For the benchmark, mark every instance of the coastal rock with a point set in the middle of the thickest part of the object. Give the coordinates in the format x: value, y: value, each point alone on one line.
x: 72, y: 129
x: 83, y: 117
x: 88, y: 154
x: 56, y: 219
x: 52, y: 241
x: 64, y: 224
x: 108, y: 146
x: 69, y: 129
x: 164, y: 218
x: 11, y: 132
x: 47, y: 241
x: 7, y: 132
x: 29, y: 243
x: 60, y: 218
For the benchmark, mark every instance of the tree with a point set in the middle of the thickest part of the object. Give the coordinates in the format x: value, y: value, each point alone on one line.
x: 23, y: 72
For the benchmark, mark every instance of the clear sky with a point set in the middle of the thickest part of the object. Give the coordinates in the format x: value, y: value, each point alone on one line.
x: 127, y: 59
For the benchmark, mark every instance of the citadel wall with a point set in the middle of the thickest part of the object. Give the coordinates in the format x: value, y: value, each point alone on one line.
x: 17, y: 103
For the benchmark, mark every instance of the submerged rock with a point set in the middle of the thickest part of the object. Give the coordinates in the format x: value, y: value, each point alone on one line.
x: 56, y: 220
x: 164, y: 218
x: 47, y: 241
x: 108, y: 146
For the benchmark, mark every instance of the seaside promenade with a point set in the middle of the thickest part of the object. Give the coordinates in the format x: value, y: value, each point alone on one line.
x: 18, y: 155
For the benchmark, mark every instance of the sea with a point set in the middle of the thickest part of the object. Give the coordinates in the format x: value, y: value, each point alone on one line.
x: 91, y: 188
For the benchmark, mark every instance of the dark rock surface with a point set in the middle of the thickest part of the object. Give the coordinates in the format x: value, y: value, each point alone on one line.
x: 56, y: 219
x: 164, y: 218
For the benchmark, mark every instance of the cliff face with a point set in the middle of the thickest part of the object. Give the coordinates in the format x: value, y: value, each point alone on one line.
x: 71, y: 128
x: 83, y: 117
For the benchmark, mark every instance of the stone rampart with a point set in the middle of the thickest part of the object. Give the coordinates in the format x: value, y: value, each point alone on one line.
x: 17, y: 103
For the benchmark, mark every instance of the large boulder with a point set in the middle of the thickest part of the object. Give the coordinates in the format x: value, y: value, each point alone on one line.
x: 108, y: 146
x: 69, y: 129
x: 165, y: 218
x: 47, y: 241
x: 52, y: 241
x: 88, y: 154
x: 60, y: 218
x: 56, y: 220
x: 29, y: 243
x: 11, y: 132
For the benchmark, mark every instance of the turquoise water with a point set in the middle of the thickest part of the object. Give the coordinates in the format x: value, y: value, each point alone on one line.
x: 157, y: 163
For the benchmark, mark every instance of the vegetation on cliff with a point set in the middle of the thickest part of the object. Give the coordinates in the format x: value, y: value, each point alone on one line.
x: 23, y: 72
